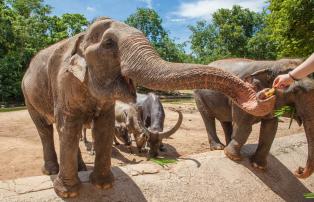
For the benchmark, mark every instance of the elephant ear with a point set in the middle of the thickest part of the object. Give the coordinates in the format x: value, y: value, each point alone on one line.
x: 77, y: 64
x: 261, y: 78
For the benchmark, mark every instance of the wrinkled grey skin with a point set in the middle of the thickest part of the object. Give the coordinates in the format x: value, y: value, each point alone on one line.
x: 237, y: 124
x: 80, y: 78
x: 153, y: 117
x: 131, y: 115
x: 127, y: 114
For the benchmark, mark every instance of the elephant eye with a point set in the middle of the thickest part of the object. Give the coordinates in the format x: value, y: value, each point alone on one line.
x: 109, y: 43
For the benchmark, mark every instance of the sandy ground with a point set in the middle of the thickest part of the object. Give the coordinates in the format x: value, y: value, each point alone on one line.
x: 21, y: 150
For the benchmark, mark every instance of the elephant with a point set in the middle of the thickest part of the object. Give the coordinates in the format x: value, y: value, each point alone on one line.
x: 131, y: 116
x: 153, y: 116
x: 80, y: 78
x: 120, y: 133
x: 237, y: 124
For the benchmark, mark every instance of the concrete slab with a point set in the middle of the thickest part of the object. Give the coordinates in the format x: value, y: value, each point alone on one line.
x: 203, y: 177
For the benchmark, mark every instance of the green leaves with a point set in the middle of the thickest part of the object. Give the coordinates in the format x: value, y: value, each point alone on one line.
x: 231, y: 34
x: 292, y: 27
x: 25, y: 28
x: 285, y: 110
x: 163, y: 161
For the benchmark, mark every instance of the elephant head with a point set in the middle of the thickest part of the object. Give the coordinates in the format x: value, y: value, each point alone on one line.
x: 301, y: 96
x: 154, y: 138
x: 121, y: 132
x: 113, y: 55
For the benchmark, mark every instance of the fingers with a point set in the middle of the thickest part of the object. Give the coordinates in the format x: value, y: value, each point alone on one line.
x: 275, y: 83
x: 282, y: 81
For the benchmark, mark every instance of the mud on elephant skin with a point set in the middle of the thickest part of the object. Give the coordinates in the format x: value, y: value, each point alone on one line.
x: 79, y: 78
x: 238, y: 124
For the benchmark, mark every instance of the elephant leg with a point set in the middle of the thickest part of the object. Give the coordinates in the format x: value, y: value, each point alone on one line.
x: 80, y: 163
x: 241, y: 132
x: 103, y: 132
x: 210, y: 125
x: 45, y: 132
x: 227, y: 127
x: 242, y: 127
x: 267, y: 134
x: 67, y: 183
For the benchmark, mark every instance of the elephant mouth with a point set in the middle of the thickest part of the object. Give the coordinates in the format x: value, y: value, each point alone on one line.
x: 125, y: 89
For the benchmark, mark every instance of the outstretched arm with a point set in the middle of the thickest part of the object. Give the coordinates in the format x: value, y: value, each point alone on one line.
x: 303, y: 70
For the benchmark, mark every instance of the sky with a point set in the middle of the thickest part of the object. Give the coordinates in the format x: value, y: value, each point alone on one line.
x: 176, y: 14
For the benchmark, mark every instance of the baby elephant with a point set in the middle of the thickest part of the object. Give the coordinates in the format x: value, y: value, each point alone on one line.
x: 120, y: 133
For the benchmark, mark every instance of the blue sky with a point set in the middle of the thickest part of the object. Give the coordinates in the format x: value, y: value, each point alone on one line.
x: 176, y: 14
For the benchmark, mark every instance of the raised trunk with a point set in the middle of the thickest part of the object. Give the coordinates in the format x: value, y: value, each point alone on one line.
x: 141, y: 63
x: 309, y: 168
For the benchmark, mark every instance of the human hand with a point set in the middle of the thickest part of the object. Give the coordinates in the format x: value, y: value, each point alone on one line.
x: 282, y: 81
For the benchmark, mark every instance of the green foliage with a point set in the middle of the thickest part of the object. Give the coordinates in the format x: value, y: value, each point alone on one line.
x: 163, y: 161
x: 285, y: 110
x: 235, y: 32
x: 149, y: 22
x: 292, y: 26
x: 25, y: 28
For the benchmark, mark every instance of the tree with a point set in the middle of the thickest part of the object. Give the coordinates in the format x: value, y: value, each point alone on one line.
x: 25, y: 28
x: 292, y: 26
x: 228, y: 35
x: 149, y: 22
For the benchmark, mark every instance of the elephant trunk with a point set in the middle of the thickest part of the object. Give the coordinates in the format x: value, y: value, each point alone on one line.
x: 142, y: 64
x: 309, y: 168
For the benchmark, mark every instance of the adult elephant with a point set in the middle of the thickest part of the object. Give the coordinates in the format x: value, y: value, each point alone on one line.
x: 238, y: 124
x: 80, y: 78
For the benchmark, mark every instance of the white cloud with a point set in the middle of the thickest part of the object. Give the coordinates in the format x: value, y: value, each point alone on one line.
x: 90, y: 9
x: 148, y: 2
x: 177, y: 20
x: 205, y: 8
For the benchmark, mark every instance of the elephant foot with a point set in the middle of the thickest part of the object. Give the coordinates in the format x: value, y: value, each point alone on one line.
x: 101, y: 181
x: 216, y: 146
x: 233, y: 152
x: 66, y: 191
x: 303, y: 172
x: 258, y: 164
x: 50, y: 168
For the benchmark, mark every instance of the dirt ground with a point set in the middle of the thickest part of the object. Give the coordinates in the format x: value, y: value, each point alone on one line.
x: 21, y: 150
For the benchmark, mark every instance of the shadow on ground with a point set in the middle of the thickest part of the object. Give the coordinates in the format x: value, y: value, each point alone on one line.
x: 277, y: 177
x: 124, y: 189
